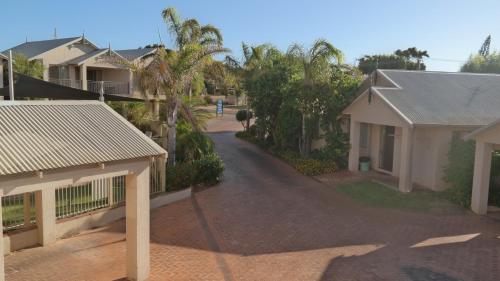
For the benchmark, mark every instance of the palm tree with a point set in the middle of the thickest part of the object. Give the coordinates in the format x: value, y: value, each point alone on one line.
x: 172, y: 71
x: 313, y: 62
x: 253, y: 57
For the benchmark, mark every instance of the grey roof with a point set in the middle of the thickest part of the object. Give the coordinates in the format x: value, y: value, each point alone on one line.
x: 2, y: 56
x: 443, y: 98
x: 86, y: 56
x: 133, y: 54
x: 43, y: 135
x: 35, y: 48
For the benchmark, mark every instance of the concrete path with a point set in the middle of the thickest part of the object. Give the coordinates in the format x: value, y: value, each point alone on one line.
x: 265, y: 221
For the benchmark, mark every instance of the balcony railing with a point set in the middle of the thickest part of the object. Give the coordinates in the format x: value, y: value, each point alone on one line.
x: 109, y: 87
x: 105, y: 87
x: 77, y: 84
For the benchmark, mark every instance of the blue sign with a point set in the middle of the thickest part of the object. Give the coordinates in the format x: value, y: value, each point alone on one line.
x: 219, y: 108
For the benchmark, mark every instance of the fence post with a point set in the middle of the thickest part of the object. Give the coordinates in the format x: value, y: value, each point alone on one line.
x: 27, y: 208
x: 162, y: 162
x: 111, y: 200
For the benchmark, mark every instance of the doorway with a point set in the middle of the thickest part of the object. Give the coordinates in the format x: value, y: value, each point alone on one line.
x: 387, y: 148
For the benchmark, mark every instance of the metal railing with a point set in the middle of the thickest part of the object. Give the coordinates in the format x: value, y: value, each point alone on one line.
x: 77, y: 84
x: 97, y: 194
x: 109, y: 87
x: 155, y: 179
x: 74, y: 200
x: 13, y: 210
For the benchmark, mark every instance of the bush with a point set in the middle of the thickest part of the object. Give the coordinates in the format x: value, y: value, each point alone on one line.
x: 242, y: 115
x: 207, y: 99
x: 459, y: 171
x: 179, y: 176
x: 208, y: 169
x: 191, y: 145
x: 309, y: 166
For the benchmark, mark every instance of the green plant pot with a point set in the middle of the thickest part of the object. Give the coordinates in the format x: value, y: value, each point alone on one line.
x: 364, y: 166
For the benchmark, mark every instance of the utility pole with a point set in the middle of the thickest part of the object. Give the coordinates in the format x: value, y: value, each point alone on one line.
x: 11, y: 77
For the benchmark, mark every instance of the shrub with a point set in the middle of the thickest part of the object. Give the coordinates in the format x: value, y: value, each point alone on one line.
x: 208, y: 169
x: 207, y: 99
x: 179, y: 176
x: 459, y: 171
x: 242, y: 115
x: 191, y: 145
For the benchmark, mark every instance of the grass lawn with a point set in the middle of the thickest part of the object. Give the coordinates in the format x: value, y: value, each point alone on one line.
x: 376, y: 195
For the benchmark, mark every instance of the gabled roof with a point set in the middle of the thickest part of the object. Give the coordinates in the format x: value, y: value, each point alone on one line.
x: 441, y: 98
x: 81, y: 59
x: 133, y: 54
x: 35, y: 48
x: 44, y: 135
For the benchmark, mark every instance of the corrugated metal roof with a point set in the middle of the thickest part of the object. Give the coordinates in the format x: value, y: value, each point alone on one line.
x: 444, y: 98
x: 133, y: 54
x: 35, y: 48
x: 47, y: 135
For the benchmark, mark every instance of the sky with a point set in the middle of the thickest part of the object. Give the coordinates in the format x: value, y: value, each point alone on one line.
x: 449, y: 30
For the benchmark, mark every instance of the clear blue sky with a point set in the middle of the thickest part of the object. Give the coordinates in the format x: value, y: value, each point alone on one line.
x: 447, y: 29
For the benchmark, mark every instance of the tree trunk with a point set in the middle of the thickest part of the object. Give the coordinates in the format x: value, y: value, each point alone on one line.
x: 248, y: 114
x: 172, y: 132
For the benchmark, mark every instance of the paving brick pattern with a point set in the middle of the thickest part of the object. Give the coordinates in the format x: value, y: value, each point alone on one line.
x: 267, y: 222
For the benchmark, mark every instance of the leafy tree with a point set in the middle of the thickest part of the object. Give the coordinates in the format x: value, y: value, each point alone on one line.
x: 482, y: 64
x: 172, y: 72
x: 410, y: 59
x: 22, y: 65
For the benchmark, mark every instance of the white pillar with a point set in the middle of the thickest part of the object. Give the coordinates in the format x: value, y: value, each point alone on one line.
x: 27, y: 209
x: 1, y: 73
x: 2, y: 266
x: 354, y: 142
x: 137, y: 223
x: 83, y: 76
x: 405, y: 168
x: 46, y: 75
x: 481, y: 182
x: 45, y: 204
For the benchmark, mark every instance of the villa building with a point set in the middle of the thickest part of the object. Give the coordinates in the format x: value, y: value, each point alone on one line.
x: 78, y: 63
x: 404, y: 122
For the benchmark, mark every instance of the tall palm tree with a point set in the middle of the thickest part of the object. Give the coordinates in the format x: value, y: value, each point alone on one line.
x: 172, y: 71
x: 312, y: 61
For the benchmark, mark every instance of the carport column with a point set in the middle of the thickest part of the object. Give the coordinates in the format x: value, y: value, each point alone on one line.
x: 354, y: 142
x: 405, y: 169
x: 27, y: 208
x: 137, y: 223
x: 481, y: 182
x: 2, y: 267
x: 83, y: 76
x: 45, y: 205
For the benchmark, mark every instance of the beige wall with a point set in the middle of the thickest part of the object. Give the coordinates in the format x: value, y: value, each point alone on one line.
x: 63, y: 54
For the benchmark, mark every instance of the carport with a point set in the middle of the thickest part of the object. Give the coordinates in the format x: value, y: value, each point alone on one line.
x: 487, y: 140
x: 48, y: 144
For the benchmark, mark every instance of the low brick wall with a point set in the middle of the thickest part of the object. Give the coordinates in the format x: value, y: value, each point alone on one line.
x: 25, y: 238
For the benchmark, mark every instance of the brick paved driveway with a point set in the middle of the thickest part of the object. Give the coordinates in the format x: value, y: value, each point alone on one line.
x: 267, y: 222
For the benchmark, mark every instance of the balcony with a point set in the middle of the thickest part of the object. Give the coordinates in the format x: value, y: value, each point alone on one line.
x: 77, y: 84
x: 105, y: 87
x: 109, y: 87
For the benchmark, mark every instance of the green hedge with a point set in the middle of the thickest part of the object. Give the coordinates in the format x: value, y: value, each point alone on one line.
x: 307, y: 166
x: 205, y: 171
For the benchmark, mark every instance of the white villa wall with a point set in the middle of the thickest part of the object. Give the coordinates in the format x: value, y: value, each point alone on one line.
x: 71, y: 226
